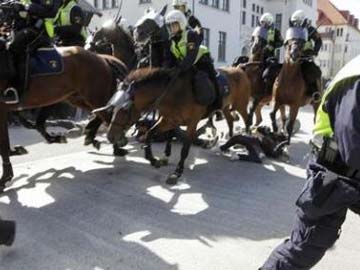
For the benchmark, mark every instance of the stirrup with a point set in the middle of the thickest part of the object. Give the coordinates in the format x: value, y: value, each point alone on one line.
x: 316, y: 97
x: 14, y: 93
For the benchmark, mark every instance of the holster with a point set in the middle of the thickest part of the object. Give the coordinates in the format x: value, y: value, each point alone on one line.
x: 328, y: 155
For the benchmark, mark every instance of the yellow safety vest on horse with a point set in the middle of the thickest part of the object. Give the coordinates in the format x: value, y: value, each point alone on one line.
x: 179, y: 49
x: 63, y: 17
x: 48, y: 23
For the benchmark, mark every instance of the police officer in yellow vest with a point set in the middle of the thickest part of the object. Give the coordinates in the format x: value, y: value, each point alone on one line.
x: 33, y: 29
x: 333, y: 185
x: 274, y: 41
x: 186, y: 50
x: 311, y: 71
x: 70, y: 24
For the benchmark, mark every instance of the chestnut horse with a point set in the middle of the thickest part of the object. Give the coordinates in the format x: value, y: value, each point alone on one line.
x: 172, y: 94
x: 87, y: 75
x: 290, y: 87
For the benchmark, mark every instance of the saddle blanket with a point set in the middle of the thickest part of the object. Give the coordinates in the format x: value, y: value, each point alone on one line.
x: 223, y: 84
x: 45, y: 62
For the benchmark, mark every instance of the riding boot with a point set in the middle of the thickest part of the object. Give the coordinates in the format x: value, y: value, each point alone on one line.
x: 7, y: 232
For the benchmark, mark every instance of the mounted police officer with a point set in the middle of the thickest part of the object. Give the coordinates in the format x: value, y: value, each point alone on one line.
x: 333, y: 185
x: 274, y: 41
x: 33, y: 29
x: 311, y: 71
x: 193, y: 22
x: 70, y: 24
x: 186, y: 50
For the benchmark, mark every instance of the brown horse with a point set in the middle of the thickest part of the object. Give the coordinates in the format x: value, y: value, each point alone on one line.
x: 89, y: 76
x: 172, y: 94
x: 290, y: 87
x: 261, y: 92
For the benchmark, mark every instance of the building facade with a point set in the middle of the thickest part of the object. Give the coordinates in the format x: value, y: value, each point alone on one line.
x: 341, y: 38
x: 228, y: 24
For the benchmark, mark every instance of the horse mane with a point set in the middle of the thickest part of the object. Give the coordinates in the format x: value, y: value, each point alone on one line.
x: 146, y: 75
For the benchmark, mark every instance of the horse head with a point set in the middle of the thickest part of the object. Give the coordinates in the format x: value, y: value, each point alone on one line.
x: 294, y: 43
x: 150, y: 25
x: 258, y: 43
x: 114, y: 40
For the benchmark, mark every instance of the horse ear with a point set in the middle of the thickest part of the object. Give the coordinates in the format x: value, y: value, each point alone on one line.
x: 163, y: 10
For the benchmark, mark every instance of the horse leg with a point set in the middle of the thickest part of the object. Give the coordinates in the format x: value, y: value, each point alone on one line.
x: 187, y: 141
x: 273, y: 117
x: 90, y: 132
x: 229, y: 120
x: 258, y: 115
x: 43, y: 115
x: 8, y: 173
x: 155, y: 162
x: 253, y: 109
x: 283, y: 116
x: 290, y: 125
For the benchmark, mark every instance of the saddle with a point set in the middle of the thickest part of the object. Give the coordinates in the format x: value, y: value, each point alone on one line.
x: 204, y: 89
x: 46, y: 62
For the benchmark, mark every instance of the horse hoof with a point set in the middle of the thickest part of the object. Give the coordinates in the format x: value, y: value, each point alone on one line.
x: 88, y: 141
x: 172, y: 179
x: 156, y: 163
x: 96, y: 144
x: 164, y: 161
x: 120, y: 152
x: 20, y: 150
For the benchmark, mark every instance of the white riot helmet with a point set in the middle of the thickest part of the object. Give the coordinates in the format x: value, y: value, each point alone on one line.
x: 298, y: 18
x: 267, y: 19
x: 179, y: 3
x: 176, y: 16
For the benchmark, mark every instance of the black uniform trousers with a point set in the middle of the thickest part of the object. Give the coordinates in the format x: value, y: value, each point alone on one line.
x: 322, y: 207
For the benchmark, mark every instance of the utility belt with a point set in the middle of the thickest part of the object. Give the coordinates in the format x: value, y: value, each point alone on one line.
x: 327, y: 155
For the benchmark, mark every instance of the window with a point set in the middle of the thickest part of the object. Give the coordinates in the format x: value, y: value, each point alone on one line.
x: 257, y: 9
x: 262, y: 10
x: 205, y: 2
x: 308, y: 2
x: 252, y: 20
x: 96, y: 3
x: 215, y: 3
x: 341, y: 32
x: 278, y: 21
x: 106, y: 4
x: 222, y: 47
x: 253, y: 7
x: 144, y: 1
x: 244, y: 17
x: 206, y: 40
x: 114, y: 4
x: 244, y: 3
x: 346, y: 48
x: 225, y: 5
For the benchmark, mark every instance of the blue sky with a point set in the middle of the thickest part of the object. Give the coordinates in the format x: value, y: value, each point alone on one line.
x: 352, y: 5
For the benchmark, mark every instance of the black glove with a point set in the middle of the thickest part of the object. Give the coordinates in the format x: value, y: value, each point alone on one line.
x: 17, y: 6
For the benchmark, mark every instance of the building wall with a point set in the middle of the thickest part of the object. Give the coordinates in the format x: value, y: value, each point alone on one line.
x: 238, y: 23
x: 338, y: 50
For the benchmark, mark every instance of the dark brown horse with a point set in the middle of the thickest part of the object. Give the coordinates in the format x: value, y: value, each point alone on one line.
x: 172, y: 94
x: 290, y: 87
x: 87, y: 75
